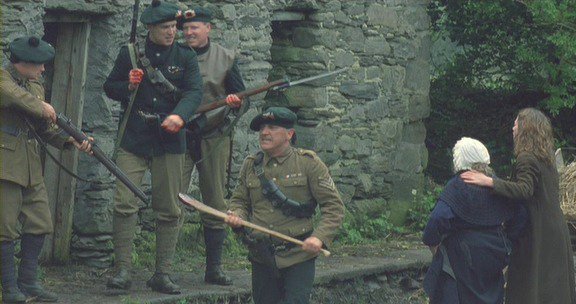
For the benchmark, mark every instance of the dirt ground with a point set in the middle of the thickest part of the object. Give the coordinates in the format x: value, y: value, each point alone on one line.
x: 82, y: 284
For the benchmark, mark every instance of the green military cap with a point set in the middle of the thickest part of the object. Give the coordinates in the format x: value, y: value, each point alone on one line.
x: 278, y: 116
x: 159, y: 12
x: 31, y: 49
x: 198, y: 14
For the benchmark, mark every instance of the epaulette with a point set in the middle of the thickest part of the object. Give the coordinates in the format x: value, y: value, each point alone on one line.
x: 308, y: 153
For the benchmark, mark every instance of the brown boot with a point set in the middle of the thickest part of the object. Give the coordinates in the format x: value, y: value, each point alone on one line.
x: 124, y: 228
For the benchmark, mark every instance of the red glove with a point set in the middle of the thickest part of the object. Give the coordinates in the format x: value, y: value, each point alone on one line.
x: 136, y: 76
x: 233, y: 101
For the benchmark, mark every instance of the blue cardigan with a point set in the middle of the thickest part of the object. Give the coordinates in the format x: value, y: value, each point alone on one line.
x: 473, y: 253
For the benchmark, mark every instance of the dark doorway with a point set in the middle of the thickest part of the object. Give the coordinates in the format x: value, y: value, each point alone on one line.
x: 65, y: 78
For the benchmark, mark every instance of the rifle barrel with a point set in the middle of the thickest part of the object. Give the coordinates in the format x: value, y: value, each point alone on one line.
x: 65, y: 123
x: 134, y: 27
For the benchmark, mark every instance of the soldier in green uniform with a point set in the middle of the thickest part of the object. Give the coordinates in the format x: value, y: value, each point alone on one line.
x: 209, y: 144
x: 158, y: 145
x: 24, y: 115
x: 304, y: 183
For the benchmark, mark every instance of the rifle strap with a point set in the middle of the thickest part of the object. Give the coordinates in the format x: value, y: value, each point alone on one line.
x: 133, y: 56
x: 229, y: 166
x: 44, y: 146
x: 158, y: 80
x: 122, y: 127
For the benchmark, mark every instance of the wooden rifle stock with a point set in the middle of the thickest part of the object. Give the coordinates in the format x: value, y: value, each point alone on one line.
x: 66, y: 124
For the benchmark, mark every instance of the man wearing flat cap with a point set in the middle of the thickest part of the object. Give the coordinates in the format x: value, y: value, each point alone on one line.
x: 168, y: 87
x: 209, y: 145
x: 305, y: 184
x: 24, y: 117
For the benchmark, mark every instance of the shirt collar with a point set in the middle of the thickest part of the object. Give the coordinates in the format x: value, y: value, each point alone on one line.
x: 21, y: 80
x: 201, y: 50
x: 156, y: 47
x: 280, y: 159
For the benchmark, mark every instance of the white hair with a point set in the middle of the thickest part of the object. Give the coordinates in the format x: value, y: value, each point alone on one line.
x: 468, y: 152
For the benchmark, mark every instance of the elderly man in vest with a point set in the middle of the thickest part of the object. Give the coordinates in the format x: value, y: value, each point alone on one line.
x: 304, y: 184
x: 24, y: 118
x: 209, y: 142
x: 157, y: 145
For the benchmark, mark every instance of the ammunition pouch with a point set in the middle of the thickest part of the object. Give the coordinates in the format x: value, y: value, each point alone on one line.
x: 279, y: 200
x: 260, y: 248
x: 287, y: 206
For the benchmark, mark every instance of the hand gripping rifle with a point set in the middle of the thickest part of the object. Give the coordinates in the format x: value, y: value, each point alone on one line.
x: 66, y: 124
x: 188, y: 201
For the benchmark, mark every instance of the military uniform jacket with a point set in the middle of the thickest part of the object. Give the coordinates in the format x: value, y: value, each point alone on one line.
x: 179, y: 65
x: 21, y: 99
x: 220, y: 76
x: 302, y: 177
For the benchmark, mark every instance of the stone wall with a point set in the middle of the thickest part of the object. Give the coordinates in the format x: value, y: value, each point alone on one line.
x: 19, y: 17
x: 366, y: 123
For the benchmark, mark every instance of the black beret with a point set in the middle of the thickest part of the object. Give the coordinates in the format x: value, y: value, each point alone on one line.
x: 32, y: 49
x: 198, y: 14
x: 159, y: 12
x: 277, y: 116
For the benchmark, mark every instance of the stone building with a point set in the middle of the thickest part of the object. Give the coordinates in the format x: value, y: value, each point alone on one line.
x: 365, y: 123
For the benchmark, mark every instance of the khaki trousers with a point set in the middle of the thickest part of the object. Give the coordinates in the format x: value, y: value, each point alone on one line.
x: 166, y: 171
x: 25, y: 205
x: 215, y: 153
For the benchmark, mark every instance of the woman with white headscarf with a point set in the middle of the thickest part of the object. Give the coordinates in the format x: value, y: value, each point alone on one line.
x: 468, y: 232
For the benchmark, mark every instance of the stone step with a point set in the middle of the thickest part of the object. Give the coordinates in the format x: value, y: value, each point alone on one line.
x: 332, y: 275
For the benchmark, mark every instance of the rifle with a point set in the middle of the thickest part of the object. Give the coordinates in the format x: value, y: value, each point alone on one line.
x: 132, y: 50
x: 66, y: 124
x: 188, y: 201
x: 134, y: 21
x: 275, y: 85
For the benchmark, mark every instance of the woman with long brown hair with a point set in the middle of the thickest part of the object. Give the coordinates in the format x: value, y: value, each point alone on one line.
x: 541, y: 267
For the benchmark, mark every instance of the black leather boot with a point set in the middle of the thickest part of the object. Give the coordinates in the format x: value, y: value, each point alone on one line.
x: 214, y: 240
x: 10, y: 291
x: 27, y: 273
